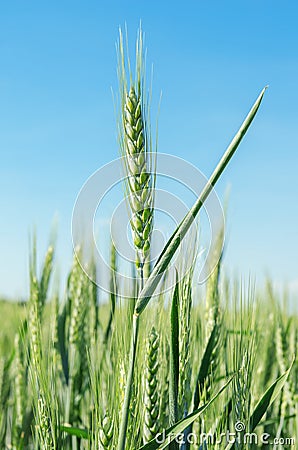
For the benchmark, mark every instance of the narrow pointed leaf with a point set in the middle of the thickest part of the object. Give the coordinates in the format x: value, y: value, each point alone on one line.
x: 73, y: 431
x: 205, y: 364
x: 266, y: 400
x: 270, y: 395
x: 180, y: 232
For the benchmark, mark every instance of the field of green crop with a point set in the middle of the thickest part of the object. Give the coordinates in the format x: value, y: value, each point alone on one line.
x: 64, y: 367
x: 210, y: 368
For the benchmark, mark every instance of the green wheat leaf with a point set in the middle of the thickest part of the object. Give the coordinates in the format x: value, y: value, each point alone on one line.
x: 74, y: 431
x: 180, y: 232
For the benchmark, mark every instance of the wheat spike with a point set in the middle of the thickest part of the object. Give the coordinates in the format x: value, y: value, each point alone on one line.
x: 19, y: 384
x: 151, y: 397
x: 44, y: 426
x: 136, y: 147
x: 106, y: 433
x: 184, y: 344
x: 139, y: 178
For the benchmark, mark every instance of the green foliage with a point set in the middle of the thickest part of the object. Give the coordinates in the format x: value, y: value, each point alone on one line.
x: 78, y: 374
x: 35, y: 391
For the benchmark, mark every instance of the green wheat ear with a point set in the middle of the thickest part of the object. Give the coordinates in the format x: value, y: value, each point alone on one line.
x: 151, y: 394
x: 139, y: 179
x: 135, y: 143
x: 44, y: 425
x: 106, y: 433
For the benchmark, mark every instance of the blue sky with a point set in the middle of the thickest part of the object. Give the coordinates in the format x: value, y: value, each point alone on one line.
x: 211, y: 59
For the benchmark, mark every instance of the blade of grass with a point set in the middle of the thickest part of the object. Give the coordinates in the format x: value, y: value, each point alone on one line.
x: 74, y: 431
x: 266, y: 400
x: 205, y: 366
x: 175, y: 240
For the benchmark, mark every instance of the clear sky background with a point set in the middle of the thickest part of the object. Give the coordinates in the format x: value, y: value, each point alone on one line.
x: 211, y: 59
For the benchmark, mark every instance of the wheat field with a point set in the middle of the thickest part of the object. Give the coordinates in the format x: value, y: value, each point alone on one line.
x: 208, y: 368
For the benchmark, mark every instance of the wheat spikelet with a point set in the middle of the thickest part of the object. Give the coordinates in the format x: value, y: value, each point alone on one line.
x: 76, y: 340
x: 212, y: 289
x: 212, y: 299
x: 164, y: 408
x: 76, y: 312
x: 122, y: 383
x: 4, y: 397
x: 46, y: 275
x: 44, y: 426
x: 151, y: 397
x: 139, y: 179
x: 184, y: 390
x: 54, y: 349
x: 293, y: 349
x: 106, y: 433
x: 213, y: 324
x: 34, y: 326
x: 19, y: 385
x: 281, y: 355
x: 92, y: 305
x: 242, y: 391
x: 136, y: 147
